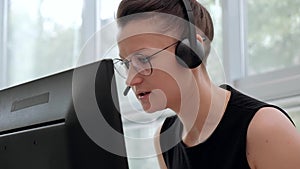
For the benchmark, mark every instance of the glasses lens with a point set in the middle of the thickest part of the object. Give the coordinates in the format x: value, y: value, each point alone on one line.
x: 121, y: 67
x: 141, y: 64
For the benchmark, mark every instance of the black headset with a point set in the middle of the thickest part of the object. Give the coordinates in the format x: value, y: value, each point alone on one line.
x: 189, y: 51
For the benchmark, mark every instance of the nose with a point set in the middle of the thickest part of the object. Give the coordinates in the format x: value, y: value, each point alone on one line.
x: 133, y: 77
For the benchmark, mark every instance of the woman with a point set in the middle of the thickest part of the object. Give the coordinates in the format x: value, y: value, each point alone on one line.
x: 214, y: 127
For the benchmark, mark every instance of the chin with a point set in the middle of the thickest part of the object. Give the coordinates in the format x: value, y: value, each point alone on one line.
x: 153, y: 109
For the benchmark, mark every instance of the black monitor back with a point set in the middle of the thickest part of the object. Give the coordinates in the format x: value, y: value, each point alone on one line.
x: 39, y: 128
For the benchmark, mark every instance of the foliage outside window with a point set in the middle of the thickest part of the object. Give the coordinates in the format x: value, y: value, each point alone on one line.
x: 43, y: 38
x: 273, y: 35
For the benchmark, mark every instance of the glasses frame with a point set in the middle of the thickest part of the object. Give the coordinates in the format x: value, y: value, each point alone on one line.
x: 126, y: 62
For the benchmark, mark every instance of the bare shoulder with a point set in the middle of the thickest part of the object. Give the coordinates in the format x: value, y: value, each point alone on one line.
x: 272, y: 141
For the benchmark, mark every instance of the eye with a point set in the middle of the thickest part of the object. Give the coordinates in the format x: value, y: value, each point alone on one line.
x: 143, y: 59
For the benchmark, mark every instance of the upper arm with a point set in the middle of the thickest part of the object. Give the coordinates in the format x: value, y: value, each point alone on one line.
x: 160, y: 158
x: 272, y: 141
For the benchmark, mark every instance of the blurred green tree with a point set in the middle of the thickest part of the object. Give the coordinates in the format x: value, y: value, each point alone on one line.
x: 273, y: 35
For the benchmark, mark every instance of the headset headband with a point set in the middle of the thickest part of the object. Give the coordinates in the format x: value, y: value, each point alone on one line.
x: 192, y: 31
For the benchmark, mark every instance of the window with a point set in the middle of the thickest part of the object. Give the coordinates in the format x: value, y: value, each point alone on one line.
x: 265, y: 51
x: 273, y: 35
x: 43, y: 37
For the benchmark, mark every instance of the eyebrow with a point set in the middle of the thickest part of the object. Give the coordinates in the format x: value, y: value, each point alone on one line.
x: 135, y: 52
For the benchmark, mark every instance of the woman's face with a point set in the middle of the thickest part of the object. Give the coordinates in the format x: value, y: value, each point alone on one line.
x: 161, y: 89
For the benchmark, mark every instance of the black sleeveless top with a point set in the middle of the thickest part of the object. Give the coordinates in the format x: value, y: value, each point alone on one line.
x: 224, y: 149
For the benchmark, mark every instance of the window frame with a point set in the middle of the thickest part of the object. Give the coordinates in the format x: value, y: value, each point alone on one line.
x: 275, y: 85
x: 234, y: 38
x: 3, y: 44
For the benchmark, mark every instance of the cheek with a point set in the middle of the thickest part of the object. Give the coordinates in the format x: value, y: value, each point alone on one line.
x: 173, y: 96
x: 167, y: 84
x: 170, y: 67
x: 171, y: 76
x: 173, y: 79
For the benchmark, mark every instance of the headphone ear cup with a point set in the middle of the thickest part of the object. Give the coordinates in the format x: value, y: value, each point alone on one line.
x: 188, y: 57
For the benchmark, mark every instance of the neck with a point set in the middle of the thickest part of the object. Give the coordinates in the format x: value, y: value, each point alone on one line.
x: 202, y: 113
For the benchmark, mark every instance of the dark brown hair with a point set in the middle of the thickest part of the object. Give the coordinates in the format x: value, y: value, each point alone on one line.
x: 174, y: 7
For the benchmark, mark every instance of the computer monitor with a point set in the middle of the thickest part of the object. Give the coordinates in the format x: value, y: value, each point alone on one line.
x: 40, y: 127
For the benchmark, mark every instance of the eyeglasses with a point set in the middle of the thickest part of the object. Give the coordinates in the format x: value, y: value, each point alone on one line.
x: 140, y: 62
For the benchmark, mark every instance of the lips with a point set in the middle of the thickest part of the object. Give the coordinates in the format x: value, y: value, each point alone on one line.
x: 142, y: 95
